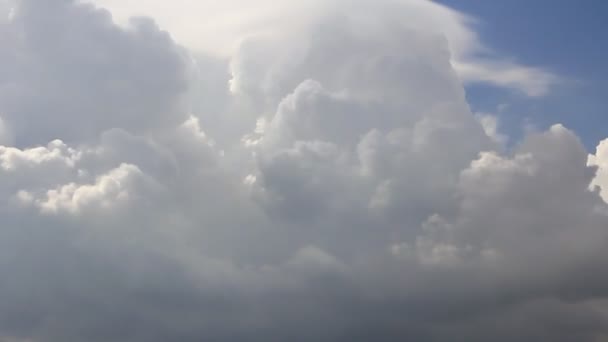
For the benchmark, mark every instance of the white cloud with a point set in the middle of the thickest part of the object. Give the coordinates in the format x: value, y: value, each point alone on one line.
x: 13, y: 159
x: 600, y: 161
x: 529, y: 80
x: 490, y: 125
x: 343, y: 190
x: 56, y: 76
x: 108, y: 190
x: 219, y: 28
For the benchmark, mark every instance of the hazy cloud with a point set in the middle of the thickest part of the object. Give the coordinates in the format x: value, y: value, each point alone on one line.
x: 318, y: 180
x: 221, y: 27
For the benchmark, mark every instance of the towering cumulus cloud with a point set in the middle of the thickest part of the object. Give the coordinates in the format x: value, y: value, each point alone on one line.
x: 309, y: 175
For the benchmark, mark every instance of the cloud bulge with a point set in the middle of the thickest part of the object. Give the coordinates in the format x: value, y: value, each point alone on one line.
x: 218, y: 28
x: 299, y: 171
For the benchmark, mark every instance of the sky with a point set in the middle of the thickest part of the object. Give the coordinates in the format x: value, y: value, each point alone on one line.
x: 322, y: 170
x: 537, y: 32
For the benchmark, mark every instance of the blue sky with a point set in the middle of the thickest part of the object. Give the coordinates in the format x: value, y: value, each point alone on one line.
x: 566, y: 37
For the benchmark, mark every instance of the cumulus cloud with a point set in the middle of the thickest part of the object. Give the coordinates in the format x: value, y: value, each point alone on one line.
x: 91, y: 74
x: 600, y: 161
x: 305, y: 176
x: 221, y: 27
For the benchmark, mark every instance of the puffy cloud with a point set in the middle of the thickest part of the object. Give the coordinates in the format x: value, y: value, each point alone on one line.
x: 600, y: 161
x: 108, y: 190
x: 221, y: 27
x: 326, y: 183
x: 68, y: 65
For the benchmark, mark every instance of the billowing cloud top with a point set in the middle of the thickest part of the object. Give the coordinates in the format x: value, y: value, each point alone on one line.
x: 291, y: 171
x: 218, y: 27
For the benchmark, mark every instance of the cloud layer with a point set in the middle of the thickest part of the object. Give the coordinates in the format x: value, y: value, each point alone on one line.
x: 321, y: 180
x: 220, y: 27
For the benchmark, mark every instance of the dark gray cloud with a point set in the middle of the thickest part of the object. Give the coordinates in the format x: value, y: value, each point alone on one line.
x: 333, y: 186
